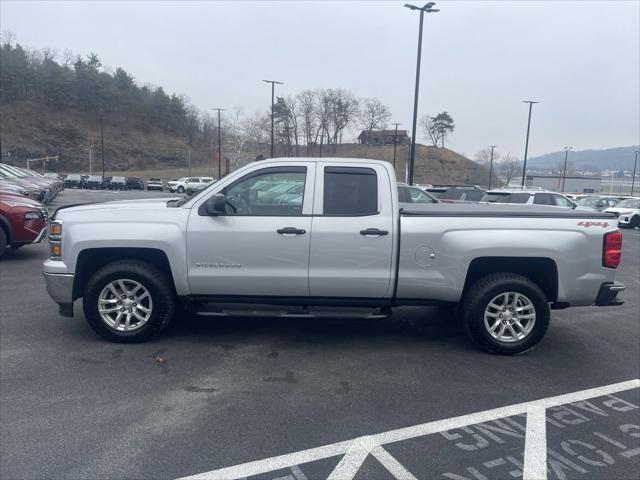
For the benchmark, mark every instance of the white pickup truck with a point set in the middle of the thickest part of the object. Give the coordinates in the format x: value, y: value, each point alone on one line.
x: 320, y: 237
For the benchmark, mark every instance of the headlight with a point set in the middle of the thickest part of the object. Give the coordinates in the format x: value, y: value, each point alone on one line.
x: 55, y: 240
x: 32, y: 215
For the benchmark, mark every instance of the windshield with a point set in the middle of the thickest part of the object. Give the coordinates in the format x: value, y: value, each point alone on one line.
x: 94, y: 178
x: 629, y: 203
x: 589, y: 201
x: 186, y: 198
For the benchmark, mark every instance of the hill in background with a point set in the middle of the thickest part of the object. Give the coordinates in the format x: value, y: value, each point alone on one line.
x: 30, y: 130
x: 620, y: 158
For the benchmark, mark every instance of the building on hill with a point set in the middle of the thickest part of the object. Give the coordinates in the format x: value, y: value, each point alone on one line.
x: 383, y: 137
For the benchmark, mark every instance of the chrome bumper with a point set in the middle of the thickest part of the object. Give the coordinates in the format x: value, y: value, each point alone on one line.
x: 60, y: 287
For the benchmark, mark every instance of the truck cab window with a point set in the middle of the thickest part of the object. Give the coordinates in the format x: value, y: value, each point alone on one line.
x: 350, y: 191
x: 277, y: 191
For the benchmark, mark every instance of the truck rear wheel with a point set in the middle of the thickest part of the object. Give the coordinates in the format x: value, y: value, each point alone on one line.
x: 3, y: 241
x: 505, y: 313
x: 129, y: 301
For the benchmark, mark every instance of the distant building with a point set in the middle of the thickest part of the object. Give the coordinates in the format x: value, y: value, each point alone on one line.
x: 572, y: 183
x: 383, y: 137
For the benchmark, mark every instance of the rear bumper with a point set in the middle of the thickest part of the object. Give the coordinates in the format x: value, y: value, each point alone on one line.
x: 607, y: 295
x: 60, y: 289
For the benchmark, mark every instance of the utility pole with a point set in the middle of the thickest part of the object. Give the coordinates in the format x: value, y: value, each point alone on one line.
x: 90, y: 155
x: 189, y: 161
x: 102, y: 143
x: 395, y: 143
x: 491, y: 165
x: 219, y: 145
x: 564, y: 170
x: 273, y: 85
x: 526, y: 145
x: 633, y: 176
x: 412, y: 153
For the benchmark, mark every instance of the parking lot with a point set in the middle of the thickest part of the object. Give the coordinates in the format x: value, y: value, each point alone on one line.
x: 405, y: 397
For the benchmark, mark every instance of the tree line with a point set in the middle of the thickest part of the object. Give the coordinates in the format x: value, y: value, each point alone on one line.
x: 303, y: 122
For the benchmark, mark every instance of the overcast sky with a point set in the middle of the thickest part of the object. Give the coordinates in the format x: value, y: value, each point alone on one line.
x: 480, y: 59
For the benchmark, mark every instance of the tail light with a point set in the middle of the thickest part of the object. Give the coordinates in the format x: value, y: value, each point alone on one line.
x: 612, y: 249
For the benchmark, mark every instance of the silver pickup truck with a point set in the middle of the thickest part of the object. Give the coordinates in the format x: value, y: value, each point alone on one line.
x: 326, y: 237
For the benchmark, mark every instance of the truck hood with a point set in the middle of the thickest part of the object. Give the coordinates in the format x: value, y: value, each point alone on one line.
x: 119, y: 205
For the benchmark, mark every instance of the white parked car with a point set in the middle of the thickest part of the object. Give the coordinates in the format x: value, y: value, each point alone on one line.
x: 527, y: 197
x: 625, y: 206
x: 183, y: 184
x: 629, y: 220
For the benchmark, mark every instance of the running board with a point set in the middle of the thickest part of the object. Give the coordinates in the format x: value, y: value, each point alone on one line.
x: 312, y: 313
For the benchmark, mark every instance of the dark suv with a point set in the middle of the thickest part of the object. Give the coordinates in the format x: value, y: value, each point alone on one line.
x: 134, y: 183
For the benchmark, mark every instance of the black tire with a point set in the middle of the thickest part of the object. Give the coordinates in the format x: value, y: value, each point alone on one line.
x: 3, y: 242
x: 635, y: 221
x: 481, y: 293
x: 180, y: 189
x: 154, y: 280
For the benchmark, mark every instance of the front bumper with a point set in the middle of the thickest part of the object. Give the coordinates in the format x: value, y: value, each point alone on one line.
x: 60, y: 289
x: 607, y: 296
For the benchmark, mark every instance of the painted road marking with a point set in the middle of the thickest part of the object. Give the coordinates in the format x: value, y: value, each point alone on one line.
x: 355, y: 451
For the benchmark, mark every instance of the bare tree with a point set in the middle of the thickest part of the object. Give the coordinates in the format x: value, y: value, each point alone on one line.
x: 306, y: 101
x: 509, y: 168
x: 430, y: 129
x: 483, y: 157
x: 373, y: 114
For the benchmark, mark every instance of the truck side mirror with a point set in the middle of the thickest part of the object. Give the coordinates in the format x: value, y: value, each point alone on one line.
x: 215, y: 205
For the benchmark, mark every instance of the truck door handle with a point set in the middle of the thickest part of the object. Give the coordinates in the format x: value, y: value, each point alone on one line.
x: 291, y: 231
x: 374, y: 231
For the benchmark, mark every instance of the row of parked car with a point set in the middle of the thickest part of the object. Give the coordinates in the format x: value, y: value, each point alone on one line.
x: 23, y: 217
x: 97, y: 182
x: 626, y: 208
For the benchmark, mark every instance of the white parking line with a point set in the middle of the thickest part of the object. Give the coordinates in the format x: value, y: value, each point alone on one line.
x: 356, y: 450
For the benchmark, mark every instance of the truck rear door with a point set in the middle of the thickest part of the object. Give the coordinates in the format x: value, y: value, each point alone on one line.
x: 351, y: 252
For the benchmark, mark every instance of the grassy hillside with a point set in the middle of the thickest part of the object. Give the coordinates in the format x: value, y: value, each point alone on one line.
x: 29, y: 130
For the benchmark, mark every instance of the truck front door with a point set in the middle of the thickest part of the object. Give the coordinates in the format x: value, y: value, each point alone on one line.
x: 261, y: 246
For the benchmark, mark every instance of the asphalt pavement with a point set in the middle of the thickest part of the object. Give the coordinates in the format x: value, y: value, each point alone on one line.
x: 215, y: 393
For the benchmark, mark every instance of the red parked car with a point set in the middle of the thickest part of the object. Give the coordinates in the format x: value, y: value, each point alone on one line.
x: 22, y: 221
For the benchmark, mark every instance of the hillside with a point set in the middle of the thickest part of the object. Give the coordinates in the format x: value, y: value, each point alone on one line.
x: 619, y: 158
x: 30, y: 130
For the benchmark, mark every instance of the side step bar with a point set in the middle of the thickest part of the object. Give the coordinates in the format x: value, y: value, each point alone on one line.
x: 310, y: 313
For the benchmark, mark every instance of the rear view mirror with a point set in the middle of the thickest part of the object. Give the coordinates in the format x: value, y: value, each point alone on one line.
x: 215, y: 205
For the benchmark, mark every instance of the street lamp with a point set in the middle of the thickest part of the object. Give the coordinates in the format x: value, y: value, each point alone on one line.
x: 564, y: 170
x: 219, y: 145
x: 491, y: 164
x: 526, y: 145
x: 395, y: 143
x: 412, y: 153
x: 633, y: 177
x: 273, y: 85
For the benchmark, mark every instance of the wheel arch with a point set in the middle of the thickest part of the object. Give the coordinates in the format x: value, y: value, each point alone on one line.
x: 541, y: 270
x: 6, y: 226
x: 92, y: 259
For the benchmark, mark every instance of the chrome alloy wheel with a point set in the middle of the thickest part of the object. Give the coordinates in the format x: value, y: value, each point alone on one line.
x: 510, y: 317
x: 125, y: 305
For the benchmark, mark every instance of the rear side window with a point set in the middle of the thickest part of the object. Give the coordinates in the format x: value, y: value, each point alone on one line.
x: 544, y: 199
x: 452, y: 194
x: 350, y: 191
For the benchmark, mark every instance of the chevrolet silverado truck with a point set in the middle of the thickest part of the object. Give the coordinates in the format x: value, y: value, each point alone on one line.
x: 302, y: 237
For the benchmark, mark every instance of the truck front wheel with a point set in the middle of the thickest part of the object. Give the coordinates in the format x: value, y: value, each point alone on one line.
x: 505, y: 313
x: 129, y: 301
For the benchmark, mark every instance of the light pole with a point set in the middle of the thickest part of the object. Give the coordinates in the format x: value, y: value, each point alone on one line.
x: 526, y: 145
x: 412, y: 152
x: 102, y: 143
x: 273, y: 86
x: 633, y: 177
x: 564, y: 170
x: 491, y: 165
x: 395, y: 143
x: 219, y: 144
